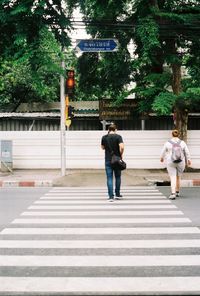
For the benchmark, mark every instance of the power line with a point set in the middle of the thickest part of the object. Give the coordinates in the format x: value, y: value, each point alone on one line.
x: 106, y: 27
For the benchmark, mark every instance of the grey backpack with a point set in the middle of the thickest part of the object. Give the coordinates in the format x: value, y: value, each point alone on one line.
x: 177, y: 151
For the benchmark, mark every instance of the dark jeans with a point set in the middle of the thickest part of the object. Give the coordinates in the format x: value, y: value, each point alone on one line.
x: 109, y: 174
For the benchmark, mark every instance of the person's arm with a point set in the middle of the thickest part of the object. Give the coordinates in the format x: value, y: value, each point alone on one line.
x: 103, y: 143
x: 187, y: 155
x: 121, y: 145
x: 163, y: 153
x: 121, y: 149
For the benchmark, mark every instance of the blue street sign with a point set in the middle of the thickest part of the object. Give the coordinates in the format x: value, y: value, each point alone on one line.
x: 97, y: 45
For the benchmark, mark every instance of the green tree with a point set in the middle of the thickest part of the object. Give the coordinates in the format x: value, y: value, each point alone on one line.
x: 166, y: 38
x: 20, y: 82
x: 105, y: 74
x: 22, y: 20
x: 31, y: 36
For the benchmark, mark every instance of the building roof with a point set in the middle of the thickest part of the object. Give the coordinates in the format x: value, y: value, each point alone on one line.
x: 55, y: 106
x: 52, y: 110
x: 44, y: 114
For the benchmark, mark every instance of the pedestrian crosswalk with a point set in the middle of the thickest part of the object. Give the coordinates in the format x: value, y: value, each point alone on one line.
x: 72, y: 241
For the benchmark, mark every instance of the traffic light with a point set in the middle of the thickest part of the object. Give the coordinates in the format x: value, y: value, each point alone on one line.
x: 70, y: 83
x: 70, y: 112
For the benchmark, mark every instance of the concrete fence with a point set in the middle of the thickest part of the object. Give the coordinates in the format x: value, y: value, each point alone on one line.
x: 41, y: 149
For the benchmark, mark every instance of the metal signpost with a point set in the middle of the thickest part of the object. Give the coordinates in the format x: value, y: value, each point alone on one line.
x: 86, y: 45
x: 62, y: 121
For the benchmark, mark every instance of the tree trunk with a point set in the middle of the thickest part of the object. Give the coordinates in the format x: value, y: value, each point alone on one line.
x: 181, y: 121
x: 181, y: 115
x: 176, y: 78
x: 153, y: 3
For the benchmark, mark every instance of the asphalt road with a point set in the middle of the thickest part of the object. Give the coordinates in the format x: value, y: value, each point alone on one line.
x: 13, y: 201
x: 188, y: 203
x: 74, y: 240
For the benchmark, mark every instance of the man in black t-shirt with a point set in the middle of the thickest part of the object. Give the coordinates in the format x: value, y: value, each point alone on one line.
x: 115, y: 142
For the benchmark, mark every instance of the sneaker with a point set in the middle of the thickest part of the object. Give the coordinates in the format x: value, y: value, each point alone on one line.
x: 118, y: 196
x: 172, y: 196
x: 177, y: 193
x: 111, y: 199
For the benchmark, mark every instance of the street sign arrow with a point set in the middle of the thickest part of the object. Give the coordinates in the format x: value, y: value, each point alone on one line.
x: 97, y: 45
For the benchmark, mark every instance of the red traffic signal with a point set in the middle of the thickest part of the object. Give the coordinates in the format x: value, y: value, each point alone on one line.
x: 70, y: 82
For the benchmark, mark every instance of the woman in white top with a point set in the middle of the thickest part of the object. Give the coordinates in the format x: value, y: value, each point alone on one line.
x: 175, y: 169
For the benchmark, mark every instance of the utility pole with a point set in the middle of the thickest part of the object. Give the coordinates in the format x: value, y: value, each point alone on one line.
x: 62, y: 121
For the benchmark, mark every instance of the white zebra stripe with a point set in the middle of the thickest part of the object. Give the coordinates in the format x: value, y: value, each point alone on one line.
x: 101, y: 220
x: 97, y: 189
x: 105, y: 213
x: 105, y: 207
x: 107, y: 285
x: 103, y: 202
x: 101, y: 244
x: 120, y: 261
x: 114, y: 230
x: 92, y: 196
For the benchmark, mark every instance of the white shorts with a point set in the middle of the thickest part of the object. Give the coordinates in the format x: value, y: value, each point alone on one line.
x: 175, y: 169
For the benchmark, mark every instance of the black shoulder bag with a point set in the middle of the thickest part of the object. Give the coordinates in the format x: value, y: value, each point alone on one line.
x: 116, y: 161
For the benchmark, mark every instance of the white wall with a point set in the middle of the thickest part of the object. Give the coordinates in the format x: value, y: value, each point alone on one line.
x: 41, y: 149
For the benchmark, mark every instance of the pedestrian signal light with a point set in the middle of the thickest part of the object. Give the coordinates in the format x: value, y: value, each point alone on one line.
x: 70, y: 82
x: 70, y: 112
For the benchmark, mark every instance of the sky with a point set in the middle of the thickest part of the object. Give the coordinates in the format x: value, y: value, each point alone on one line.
x: 79, y: 31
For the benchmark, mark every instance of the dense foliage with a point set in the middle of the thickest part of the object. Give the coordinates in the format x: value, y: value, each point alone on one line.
x: 166, y: 34
x: 166, y: 38
x: 31, y: 35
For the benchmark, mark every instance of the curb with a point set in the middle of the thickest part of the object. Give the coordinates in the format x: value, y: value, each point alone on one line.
x: 184, y: 183
x: 14, y: 183
x: 190, y: 183
x: 49, y: 183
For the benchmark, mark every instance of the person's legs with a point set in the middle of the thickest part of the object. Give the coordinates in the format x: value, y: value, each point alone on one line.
x: 180, y: 170
x: 173, y: 184
x: 109, y: 174
x: 117, y: 182
x: 178, y: 181
x: 171, y: 168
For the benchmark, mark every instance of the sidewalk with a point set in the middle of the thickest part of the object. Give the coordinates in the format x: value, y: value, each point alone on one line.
x: 92, y: 177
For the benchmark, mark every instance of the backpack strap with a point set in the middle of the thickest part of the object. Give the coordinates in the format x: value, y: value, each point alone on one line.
x: 172, y: 142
